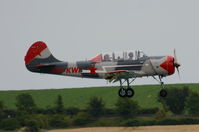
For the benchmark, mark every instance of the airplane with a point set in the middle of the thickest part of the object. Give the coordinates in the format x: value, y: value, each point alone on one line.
x: 122, y: 67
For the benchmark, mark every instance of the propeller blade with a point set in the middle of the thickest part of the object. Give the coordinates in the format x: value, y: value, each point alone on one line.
x: 175, y: 60
x: 175, y: 56
x: 178, y: 73
x: 176, y: 63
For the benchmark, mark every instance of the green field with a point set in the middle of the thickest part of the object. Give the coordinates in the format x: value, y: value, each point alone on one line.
x: 146, y: 95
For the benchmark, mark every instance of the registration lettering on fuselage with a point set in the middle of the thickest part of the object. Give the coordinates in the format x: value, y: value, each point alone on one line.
x: 73, y: 70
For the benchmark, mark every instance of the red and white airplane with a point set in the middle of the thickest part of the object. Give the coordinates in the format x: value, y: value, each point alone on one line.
x: 122, y: 67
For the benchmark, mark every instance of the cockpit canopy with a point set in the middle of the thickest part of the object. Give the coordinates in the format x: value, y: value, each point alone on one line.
x: 119, y: 56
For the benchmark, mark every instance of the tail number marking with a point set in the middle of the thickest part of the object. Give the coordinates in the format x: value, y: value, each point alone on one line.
x: 73, y: 70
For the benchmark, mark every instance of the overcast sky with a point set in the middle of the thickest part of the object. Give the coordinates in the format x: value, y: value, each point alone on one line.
x: 80, y: 29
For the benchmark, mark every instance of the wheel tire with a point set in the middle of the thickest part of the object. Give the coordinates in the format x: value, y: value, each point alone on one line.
x: 122, y: 92
x: 130, y: 92
x: 163, y: 93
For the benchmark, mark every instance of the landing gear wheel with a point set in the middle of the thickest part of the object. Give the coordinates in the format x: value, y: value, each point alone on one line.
x: 163, y: 93
x: 122, y: 92
x: 129, y: 92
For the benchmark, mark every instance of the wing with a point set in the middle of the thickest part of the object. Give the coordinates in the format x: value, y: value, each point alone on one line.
x: 116, y: 75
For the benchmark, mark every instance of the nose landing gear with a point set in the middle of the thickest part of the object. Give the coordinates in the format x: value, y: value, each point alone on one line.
x: 163, y: 92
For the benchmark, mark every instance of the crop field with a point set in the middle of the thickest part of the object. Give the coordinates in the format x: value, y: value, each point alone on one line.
x: 146, y: 95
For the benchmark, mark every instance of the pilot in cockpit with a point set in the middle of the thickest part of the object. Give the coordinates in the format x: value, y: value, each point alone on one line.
x: 106, y: 57
x: 131, y: 56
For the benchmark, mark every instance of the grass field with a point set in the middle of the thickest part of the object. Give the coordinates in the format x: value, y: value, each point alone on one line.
x: 146, y: 95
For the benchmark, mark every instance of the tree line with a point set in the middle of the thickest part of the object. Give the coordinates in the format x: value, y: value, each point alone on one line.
x: 27, y: 115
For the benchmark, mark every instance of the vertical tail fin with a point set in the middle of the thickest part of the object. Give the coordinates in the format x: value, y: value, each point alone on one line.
x: 39, y: 54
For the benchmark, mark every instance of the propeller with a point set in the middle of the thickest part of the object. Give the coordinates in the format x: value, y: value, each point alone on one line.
x: 176, y: 63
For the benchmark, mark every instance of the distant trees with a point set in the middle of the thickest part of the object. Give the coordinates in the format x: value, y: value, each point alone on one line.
x: 1, y: 106
x: 95, y: 106
x: 58, y: 121
x: 192, y: 103
x: 126, y: 107
x: 81, y: 119
x: 9, y: 124
x: 71, y: 111
x: 32, y: 125
x: 1, y: 109
x: 25, y: 103
x: 175, y: 100
x: 59, y: 105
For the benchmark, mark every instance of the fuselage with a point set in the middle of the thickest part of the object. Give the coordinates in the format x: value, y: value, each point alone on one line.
x: 39, y: 59
x: 146, y: 66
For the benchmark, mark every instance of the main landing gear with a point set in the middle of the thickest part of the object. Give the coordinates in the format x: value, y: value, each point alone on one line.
x: 163, y: 92
x: 128, y: 92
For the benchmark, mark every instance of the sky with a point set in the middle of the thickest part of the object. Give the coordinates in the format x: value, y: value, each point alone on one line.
x: 80, y: 29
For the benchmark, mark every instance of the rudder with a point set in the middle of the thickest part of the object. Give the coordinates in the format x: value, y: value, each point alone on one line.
x: 39, y: 54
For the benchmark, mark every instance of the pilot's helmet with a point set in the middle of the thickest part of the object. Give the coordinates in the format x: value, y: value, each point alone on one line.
x: 106, y: 57
x: 131, y: 55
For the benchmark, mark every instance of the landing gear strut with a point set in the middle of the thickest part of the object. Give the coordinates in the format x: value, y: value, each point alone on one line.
x: 129, y: 92
x: 163, y: 92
